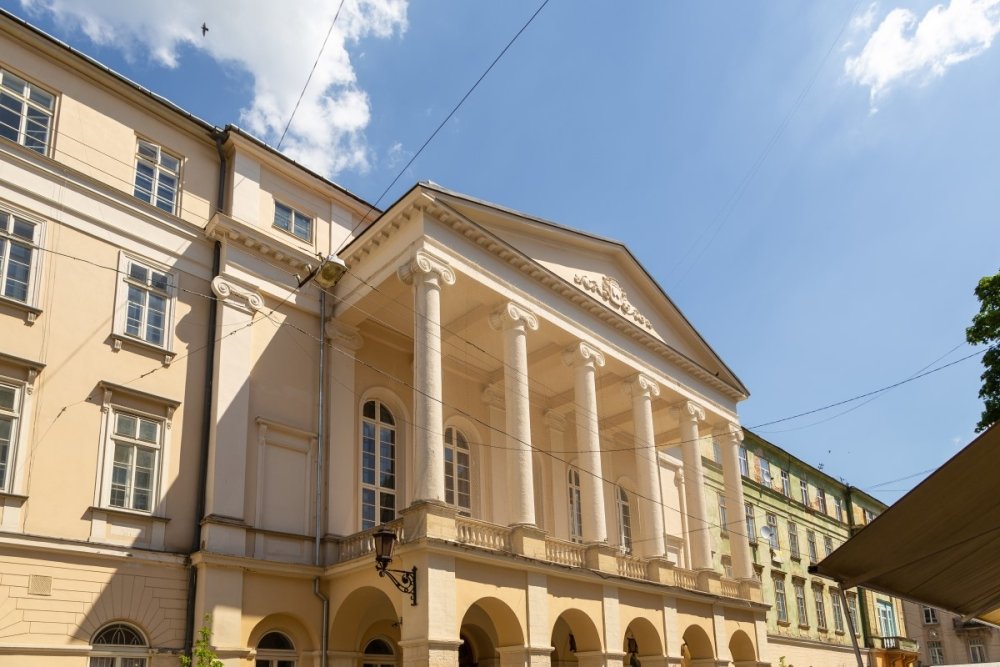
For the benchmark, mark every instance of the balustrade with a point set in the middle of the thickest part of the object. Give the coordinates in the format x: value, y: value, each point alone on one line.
x: 482, y: 534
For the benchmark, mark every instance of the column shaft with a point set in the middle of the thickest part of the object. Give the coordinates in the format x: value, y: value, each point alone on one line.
x: 642, y: 390
x: 585, y: 360
x: 739, y: 542
x: 694, y: 486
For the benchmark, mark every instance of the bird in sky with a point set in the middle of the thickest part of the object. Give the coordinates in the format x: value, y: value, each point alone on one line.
x: 204, y: 29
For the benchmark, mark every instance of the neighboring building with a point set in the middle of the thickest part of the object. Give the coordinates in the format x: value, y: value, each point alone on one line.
x: 189, y: 425
x: 945, y: 639
x: 794, y: 515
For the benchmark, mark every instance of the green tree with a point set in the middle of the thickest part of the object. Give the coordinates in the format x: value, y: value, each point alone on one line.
x: 202, y: 654
x: 985, y: 330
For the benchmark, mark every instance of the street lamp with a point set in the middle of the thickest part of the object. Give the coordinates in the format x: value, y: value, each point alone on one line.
x: 327, y: 273
x: 385, y: 539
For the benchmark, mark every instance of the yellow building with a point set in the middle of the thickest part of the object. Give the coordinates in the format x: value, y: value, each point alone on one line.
x: 197, y: 417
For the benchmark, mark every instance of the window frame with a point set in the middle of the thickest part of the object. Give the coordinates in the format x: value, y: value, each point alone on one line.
x: 136, y: 443
x: 272, y: 657
x: 804, y: 492
x: 744, y: 457
x: 793, y: 541
x: 780, y: 598
x: 786, y: 484
x: 821, y: 499
x: 125, y: 282
x: 452, y: 467
x: 375, y: 486
x: 837, y: 609
x: 623, y: 509
x: 15, y: 416
x: 929, y: 615
x: 811, y: 546
x: 765, y: 472
x: 772, y: 522
x: 26, y: 102
x: 820, y: 605
x: 751, y: 522
x: 119, y: 652
x: 977, y: 649
x: 574, y: 505
x: 827, y: 545
x: 9, y: 218
x: 935, y: 652
x: 852, y: 613
x: 838, y: 507
x: 294, y: 216
x: 723, y: 514
x: 802, y: 611
x: 157, y: 167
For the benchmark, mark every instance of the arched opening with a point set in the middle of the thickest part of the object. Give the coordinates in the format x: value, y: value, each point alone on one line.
x: 641, y: 640
x: 742, y: 649
x: 275, y: 649
x: 365, y: 615
x: 488, y: 625
x: 378, y: 652
x: 119, y: 645
x: 573, y: 632
x: 697, y: 650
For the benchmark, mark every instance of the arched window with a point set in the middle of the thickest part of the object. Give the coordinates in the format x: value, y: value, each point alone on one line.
x: 378, y: 464
x: 378, y: 653
x: 575, y: 511
x: 457, y: 470
x: 624, y: 520
x: 275, y: 650
x: 119, y: 645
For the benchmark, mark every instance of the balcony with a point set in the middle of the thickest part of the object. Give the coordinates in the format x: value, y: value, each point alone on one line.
x: 904, y: 644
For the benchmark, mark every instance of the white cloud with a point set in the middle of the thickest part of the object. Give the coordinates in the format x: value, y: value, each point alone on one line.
x: 276, y: 42
x: 904, y: 49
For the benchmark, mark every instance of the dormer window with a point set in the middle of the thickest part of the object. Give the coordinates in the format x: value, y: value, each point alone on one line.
x: 288, y: 219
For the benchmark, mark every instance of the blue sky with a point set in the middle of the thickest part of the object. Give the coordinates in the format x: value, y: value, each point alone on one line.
x: 844, y: 261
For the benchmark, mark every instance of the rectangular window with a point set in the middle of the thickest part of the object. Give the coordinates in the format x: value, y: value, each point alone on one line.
x: 930, y: 615
x: 804, y: 492
x: 716, y: 451
x: 977, y: 650
x: 811, y: 540
x: 820, y: 608
x: 780, y: 602
x: 293, y: 222
x: 852, y: 611
x: 793, y: 540
x: 18, y: 249
x: 869, y: 516
x: 25, y: 112
x: 800, y: 603
x: 765, y: 472
x: 886, y: 618
x: 134, y: 469
x: 786, y: 484
x: 744, y: 462
x: 828, y: 544
x: 936, y: 652
x: 723, y: 519
x: 145, y: 302
x: 10, y: 412
x: 157, y: 176
x: 751, y: 523
x: 838, y: 611
x: 821, y: 497
x: 772, y: 523
x: 838, y: 508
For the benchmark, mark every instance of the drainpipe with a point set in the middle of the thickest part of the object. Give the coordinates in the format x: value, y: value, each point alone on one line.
x: 320, y: 469
x: 206, y: 419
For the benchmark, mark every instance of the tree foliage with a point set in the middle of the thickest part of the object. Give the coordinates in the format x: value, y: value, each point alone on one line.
x: 202, y: 654
x: 985, y: 330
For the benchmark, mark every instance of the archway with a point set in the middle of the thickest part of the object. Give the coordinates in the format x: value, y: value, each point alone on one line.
x: 488, y: 625
x: 573, y: 633
x: 641, y: 640
x: 697, y: 650
x: 366, y: 614
x: 742, y: 650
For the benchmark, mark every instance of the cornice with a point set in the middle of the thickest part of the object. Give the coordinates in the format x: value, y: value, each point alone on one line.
x: 224, y: 228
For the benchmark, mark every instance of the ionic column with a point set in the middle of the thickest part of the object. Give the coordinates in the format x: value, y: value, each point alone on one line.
x: 426, y: 274
x: 730, y: 436
x: 585, y: 359
x: 698, y: 535
x: 514, y: 321
x: 643, y: 389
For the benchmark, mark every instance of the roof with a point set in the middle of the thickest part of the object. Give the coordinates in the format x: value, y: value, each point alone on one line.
x: 939, y: 545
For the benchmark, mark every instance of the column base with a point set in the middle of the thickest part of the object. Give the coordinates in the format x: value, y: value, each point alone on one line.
x: 710, y: 581
x: 528, y: 540
x: 660, y: 570
x: 602, y: 557
x: 750, y: 589
x: 429, y: 518
x: 429, y: 653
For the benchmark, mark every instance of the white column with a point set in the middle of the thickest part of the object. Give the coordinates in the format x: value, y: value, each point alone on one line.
x: 585, y: 360
x: 426, y: 274
x: 229, y: 435
x: 343, y: 439
x: 558, y: 496
x: 643, y: 389
x: 688, y: 415
x: 730, y: 436
x: 514, y: 321
x: 497, y: 455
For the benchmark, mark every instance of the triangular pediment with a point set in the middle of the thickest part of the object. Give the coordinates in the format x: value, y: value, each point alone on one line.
x: 603, y: 269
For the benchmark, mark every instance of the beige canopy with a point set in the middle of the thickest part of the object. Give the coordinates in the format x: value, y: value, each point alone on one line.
x: 940, y: 544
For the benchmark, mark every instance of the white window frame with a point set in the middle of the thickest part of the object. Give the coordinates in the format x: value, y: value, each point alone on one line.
x: 126, y: 262
x: 820, y: 608
x: 780, y: 598
x: 454, y: 438
x: 930, y: 616
x: 716, y: 451
x: 751, y: 522
x: 136, y: 443
x: 804, y: 492
x: 19, y: 375
x: 935, y: 652
x: 272, y: 657
x: 9, y: 218
x: 838, y: 507
x: 801, y: 609
x: 624, y: 511
x: 574, y: 504
x: 26, y: 101
x: 744, y: 461
x: 837, y: 609
x: 772, y: 523
x: 793, y: 540
x: 160, y: 172
x: 786, y: 484
x: 723, y: 518
x: 116, y: 655
x: 396, y: 491
x: 821, y: 498
x: 12, y: 416
x: 765, y: 472
x: 295, y: 215
x: 977, y: 650
x: 852, y: 611
x: 811, y: 544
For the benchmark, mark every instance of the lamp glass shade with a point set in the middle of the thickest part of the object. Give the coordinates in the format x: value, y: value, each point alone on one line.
x: 384, y: 540
x: 332, y: 270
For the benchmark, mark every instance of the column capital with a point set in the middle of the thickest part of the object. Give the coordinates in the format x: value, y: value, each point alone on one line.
x: 729, y: 430
x: 344, y: 336
x: 232, y: 293
x: 428, y: 266
x: 493, y: 395
x: 509, y: 315
x: 689, y: 411
x: 641, y: 384
x: 583, y: 354
x: 555, y: 421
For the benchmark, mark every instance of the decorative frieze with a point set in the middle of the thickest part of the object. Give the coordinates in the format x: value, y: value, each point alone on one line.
x: 610, y: 290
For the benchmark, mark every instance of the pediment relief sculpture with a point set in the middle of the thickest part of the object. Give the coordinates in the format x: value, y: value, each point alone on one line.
x: 611, y: 292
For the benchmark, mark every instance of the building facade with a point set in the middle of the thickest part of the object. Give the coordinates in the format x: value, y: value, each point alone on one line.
x: 793, y: 516
x: 945, y: 639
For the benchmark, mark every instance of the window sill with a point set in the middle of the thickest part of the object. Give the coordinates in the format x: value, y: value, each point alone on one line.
x: 30, y: 313
x: 116, y: 525
x: 803, y: 627
x: 839, y: 633
x: 796, y: 558
x: 824, y: 630
x: 784, y: 624
x: 119, y: 340
x: 122, y: 511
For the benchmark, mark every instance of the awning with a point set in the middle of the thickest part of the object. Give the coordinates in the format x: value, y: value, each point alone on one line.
x: 939, y: 545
